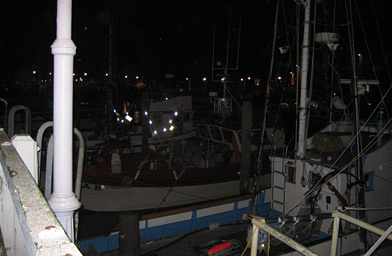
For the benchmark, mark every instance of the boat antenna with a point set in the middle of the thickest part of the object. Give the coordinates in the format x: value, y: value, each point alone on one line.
x: 370, y: 56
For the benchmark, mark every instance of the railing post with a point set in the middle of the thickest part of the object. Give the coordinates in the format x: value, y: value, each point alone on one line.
x: 255, y: 240
x: 335, y: 235
x: 63, y: 201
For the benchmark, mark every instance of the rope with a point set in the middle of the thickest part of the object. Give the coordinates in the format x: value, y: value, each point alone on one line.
x: 170, y: 190
x: 250, y: 239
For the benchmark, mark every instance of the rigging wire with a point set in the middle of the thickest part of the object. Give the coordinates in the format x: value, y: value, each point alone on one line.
x: 261, y: 149
x: 318, y: 186
x: 370, y: 55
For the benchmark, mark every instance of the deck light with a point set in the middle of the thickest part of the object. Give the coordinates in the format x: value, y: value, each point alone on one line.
x: 172, y: 128
x: 128, y: 118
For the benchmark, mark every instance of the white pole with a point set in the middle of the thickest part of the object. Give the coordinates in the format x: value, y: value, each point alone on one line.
x: 304, y: 83
x: 63, y: 201
x: 255, y: 240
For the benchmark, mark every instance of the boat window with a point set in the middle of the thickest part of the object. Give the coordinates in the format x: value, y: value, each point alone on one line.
x: 290, y: 173
x: 215, y: 133
x: 227, y: 135
x: 156, y: 118
x: 369, y: 181
x: 187, y: 117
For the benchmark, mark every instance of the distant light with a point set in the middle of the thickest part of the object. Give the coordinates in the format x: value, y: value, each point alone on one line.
x: 50, y: 73
x: 118, y: 119
x: 176, y: 113
x: 249, y: 78
x: 166, y: 98
x: 171, y: 128
x: 81, y: 79
x: 370, y: 104
x: 106, y: 74
x: 137, y: 77
x: 150, y: 122
x: 170, y: 121
x: 125, y: 76
x: 85, y: 74
x: 242, y: 79
x: 204, y: 79
x: 279, y: 78
x: 164, y: 129
x: 73, y: 74
x: 223, y: 79
x: 187, y: 78
x: 128, y: 118
x: 122, y: 121
x: 114, y: 111
x: 155, y: 132
x: 85, y: 28
x: 145, y: 113
x: 359, y: 55
x: 34, y: 72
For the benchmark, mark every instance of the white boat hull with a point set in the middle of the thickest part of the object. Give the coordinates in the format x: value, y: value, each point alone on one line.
x: 111, y: 198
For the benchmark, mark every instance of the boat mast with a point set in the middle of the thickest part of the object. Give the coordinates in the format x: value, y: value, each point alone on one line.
x: 358, y: 163
x: 110, y: 84
x: 268, y: 91
x: 304, y: 83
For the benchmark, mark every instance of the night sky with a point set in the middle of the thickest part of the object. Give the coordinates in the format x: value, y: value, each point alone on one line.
x: 151, y: 38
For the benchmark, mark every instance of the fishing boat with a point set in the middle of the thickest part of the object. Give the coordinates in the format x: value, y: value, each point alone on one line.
x: 176, y: 168
x: 344, y: 166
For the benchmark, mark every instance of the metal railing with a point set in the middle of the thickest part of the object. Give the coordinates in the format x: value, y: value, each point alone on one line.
x: 260, y: 223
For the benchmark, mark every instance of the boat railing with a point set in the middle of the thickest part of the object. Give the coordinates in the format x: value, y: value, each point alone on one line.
x: 28, y: 225
x: 260, y: 223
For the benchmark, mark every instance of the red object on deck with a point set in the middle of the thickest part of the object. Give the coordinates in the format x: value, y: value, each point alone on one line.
x: 219, y: 248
